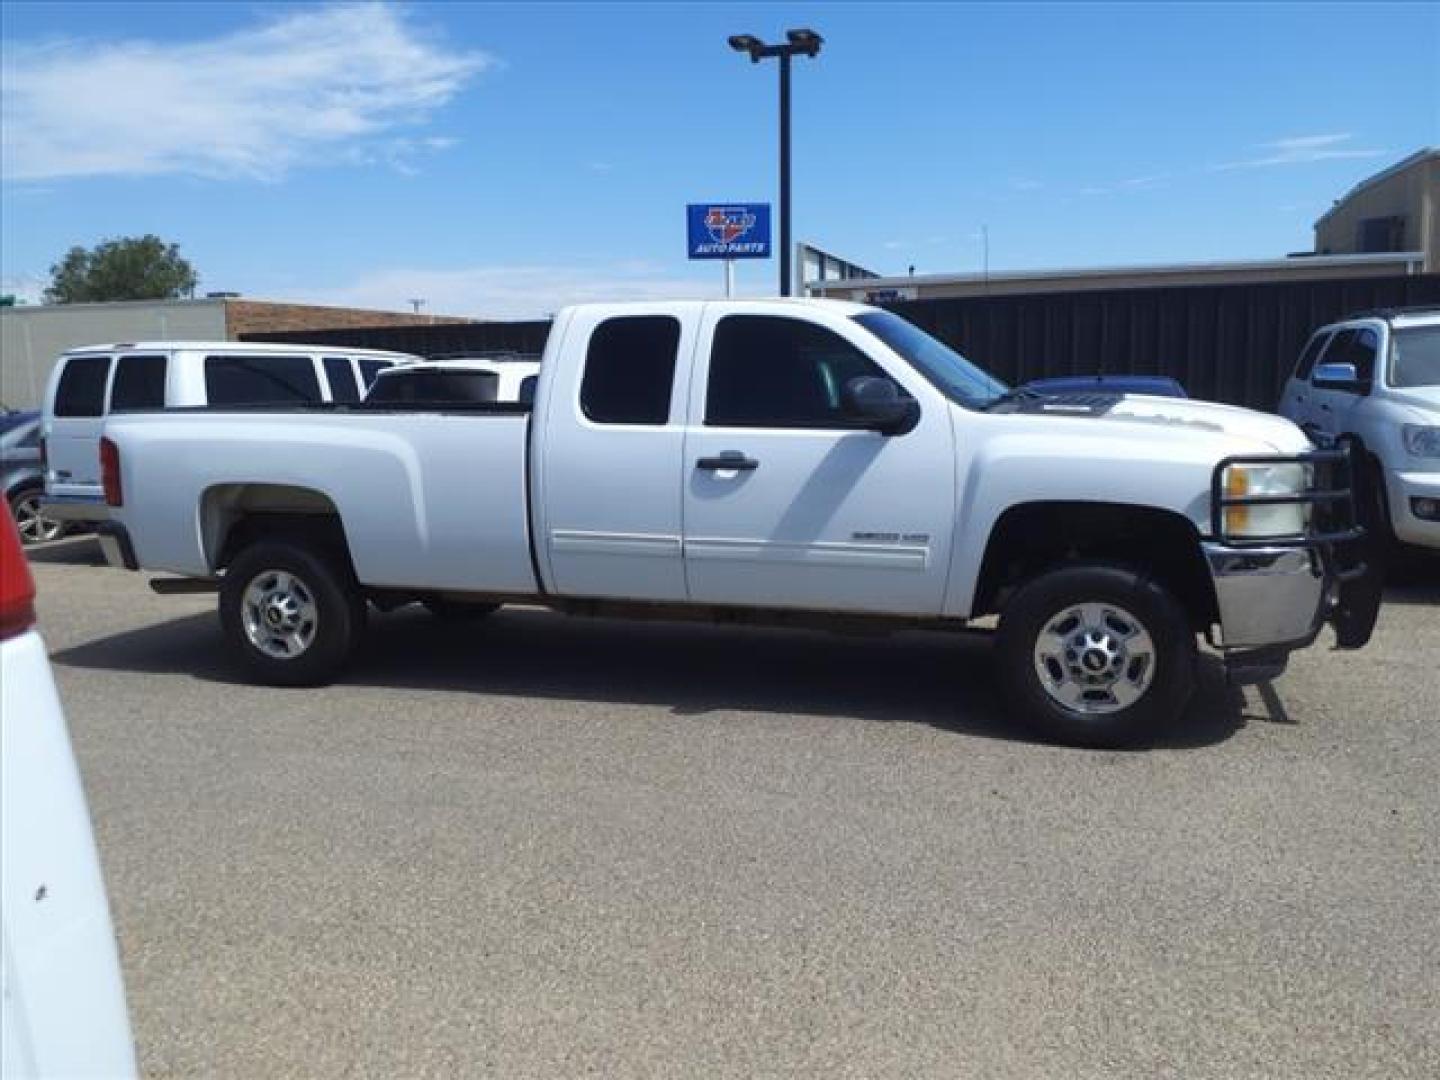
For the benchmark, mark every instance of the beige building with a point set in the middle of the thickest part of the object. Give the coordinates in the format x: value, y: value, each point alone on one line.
x: 32, y: 336
x: 1394, y: 210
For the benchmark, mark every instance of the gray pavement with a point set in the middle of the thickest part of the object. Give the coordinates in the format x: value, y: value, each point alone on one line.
x: 548, y: 847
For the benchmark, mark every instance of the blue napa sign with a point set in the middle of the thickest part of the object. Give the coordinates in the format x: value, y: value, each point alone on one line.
x: 728, y: 230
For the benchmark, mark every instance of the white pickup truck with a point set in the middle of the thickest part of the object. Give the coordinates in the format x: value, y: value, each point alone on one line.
x: 786, y: 461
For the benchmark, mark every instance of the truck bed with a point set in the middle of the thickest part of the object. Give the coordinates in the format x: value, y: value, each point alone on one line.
x: 430, y: 499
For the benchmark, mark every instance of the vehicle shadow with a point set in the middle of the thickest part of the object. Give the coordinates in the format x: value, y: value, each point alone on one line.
x: 81, y: 550
x: 1413, y: 579
x: 942, y: 680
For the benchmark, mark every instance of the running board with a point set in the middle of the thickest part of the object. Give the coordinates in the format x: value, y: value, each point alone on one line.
x: 176, y: 586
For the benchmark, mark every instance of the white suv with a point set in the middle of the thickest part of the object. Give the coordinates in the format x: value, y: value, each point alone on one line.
x: 1374, y: 381
x: 89, y: 383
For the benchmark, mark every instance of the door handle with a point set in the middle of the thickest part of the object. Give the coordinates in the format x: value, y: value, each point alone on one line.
x: 730, y: 459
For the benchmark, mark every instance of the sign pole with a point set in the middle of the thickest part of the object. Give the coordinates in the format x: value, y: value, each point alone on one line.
x: 729, y: 278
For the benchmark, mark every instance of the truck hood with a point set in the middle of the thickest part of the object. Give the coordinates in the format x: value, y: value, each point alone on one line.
x: 1424, y: 398
x: 1141, y: 414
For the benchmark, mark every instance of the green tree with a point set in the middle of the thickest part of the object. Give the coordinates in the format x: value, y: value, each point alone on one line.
x: 128, y: 268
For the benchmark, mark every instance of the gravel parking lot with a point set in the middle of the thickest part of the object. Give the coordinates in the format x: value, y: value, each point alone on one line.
x: 550, y: 847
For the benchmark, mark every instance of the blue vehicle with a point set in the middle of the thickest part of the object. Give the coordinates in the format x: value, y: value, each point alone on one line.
x: 23, y: 476
x: 1156, y: 385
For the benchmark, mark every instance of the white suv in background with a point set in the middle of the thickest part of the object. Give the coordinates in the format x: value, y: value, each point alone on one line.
x: 1374, y: 380
x: 89, y: 383
x: 63, y: 1002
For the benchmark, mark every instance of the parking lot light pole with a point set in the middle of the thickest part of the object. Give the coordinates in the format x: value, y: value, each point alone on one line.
x: 797, y: 43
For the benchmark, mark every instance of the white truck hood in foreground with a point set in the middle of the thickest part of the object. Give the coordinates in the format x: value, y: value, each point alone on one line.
x: 1267, y: 433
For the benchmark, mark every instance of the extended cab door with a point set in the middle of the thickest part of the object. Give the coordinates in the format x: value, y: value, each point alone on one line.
x: 607, y: 462
x: 787, y: 504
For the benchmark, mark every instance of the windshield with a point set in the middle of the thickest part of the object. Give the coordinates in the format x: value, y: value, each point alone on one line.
x: 951, y: 374
x: 1415, y: 357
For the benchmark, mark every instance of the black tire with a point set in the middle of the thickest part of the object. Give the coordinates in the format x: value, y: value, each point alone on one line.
x: 33, y: 527
x: 326, y: 586
x: 459, y: 610
x: 1163, y: 684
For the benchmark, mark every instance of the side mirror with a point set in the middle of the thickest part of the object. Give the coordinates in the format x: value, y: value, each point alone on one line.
x: 878, y: 404
x: 1338, y: 377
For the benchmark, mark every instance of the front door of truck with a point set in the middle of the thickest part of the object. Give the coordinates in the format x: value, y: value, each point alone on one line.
x: 787, y: 504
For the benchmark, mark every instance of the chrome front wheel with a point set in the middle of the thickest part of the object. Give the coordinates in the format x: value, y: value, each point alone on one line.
x: 1096, y: 654
x: 1094, y: 658
x: 280, y: 615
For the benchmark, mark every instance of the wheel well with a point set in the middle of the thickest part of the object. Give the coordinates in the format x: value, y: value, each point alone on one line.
x: 28, y: 483
x: 1034, y: 537
x: 233, y: 516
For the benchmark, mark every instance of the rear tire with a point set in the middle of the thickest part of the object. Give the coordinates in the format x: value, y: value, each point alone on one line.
x: 1095, y: 655
x: 294, y: 613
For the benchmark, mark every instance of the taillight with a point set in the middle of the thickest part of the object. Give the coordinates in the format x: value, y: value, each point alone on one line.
x: 110, y: 473
x: 17, y: 588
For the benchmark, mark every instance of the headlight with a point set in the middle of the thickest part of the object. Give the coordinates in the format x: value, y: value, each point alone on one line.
x: 1276, y: 519
x: 1421, y: 440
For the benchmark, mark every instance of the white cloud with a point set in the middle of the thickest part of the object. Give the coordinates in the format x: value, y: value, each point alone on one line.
x: 1301, y: 150
x: 322, y: 84
x: 26, y: 288
x: 1026, y: 185
x: 527, y: 291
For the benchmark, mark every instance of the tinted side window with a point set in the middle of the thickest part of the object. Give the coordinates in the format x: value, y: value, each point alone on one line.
x: 370, y: 368
x: 768, y: 371
x: 527, y: 389
x: 341, y: 379
x: 82, y: 386
x: 630, y: 369
x: 1367, y: 345
x: 1310, y: 355
x: 139, y: 383
x: 436, y: 388
x: 260, y: 380
x: 1356, y: 347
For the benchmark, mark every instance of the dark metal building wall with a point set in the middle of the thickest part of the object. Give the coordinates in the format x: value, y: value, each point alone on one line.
x: 1231, y: 343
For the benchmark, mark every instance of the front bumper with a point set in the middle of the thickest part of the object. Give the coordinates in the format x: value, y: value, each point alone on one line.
x: 1404, y: 488
x: 1273, y: 596
x: 1269, y: 596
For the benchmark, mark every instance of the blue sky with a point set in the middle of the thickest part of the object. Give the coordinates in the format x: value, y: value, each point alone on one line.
x: 500, y: 160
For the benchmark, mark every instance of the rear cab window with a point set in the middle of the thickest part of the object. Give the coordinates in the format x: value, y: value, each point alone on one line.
x: 260, y: 379
x: 80, y: 391
x: 630, y: 370
x: 139, y: 383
